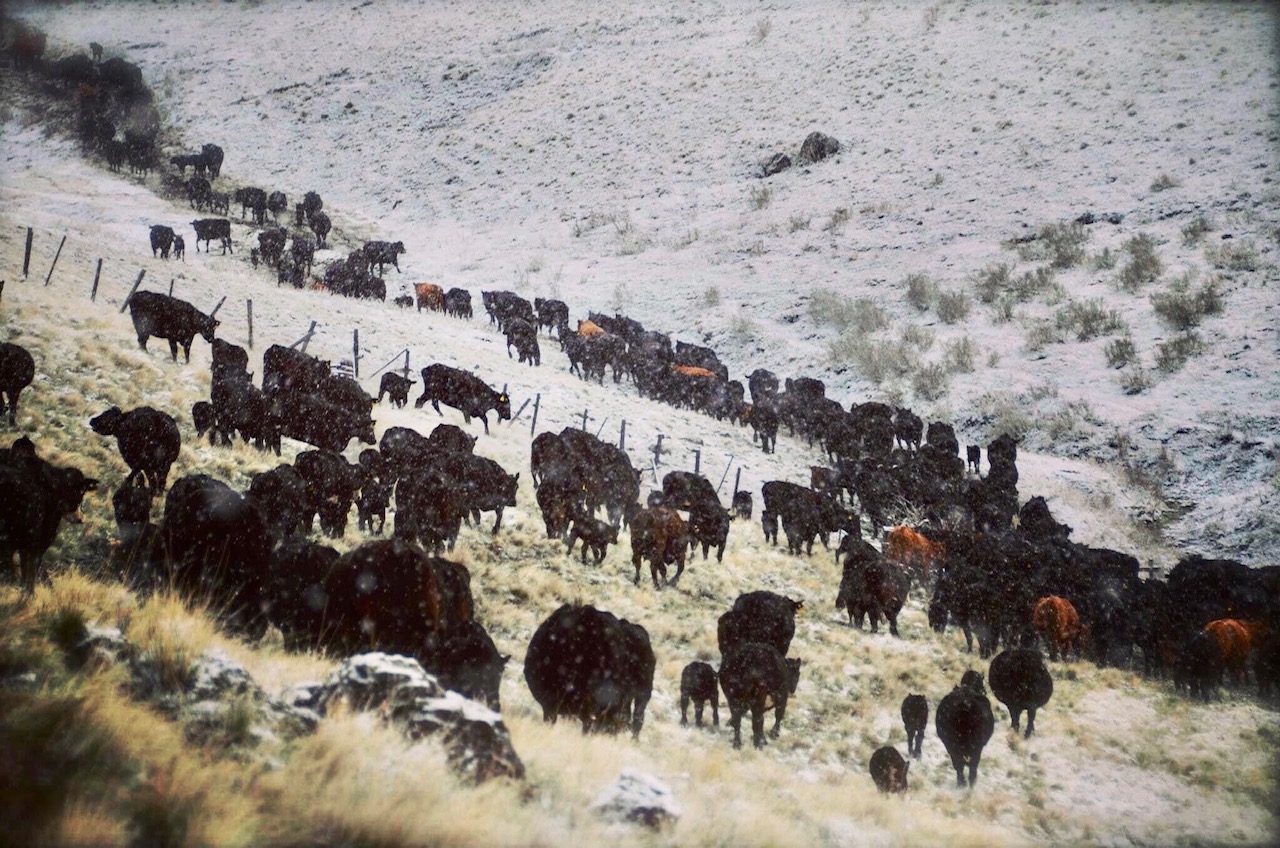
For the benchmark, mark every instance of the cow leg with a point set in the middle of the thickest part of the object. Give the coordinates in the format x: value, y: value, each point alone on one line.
x: 779, y: 712
x: 498, y: 522
x: 715, y: 707
x: 893, y: 623
x: 173, y: 349
x: 874, y: 613
x: 635, y: 560
x: 684, y: 711
x: 186, y: 351
x: 957, y: 762
x: 735, y: 721
x: 973, y: 768
x: 142, y: 340
x: 1031, y: 723
x: 1016, y: 715
x: 757, y: 725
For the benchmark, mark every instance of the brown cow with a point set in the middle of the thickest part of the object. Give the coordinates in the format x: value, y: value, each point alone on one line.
x: 1236, y: 640
x: 661, y: 536
x: 1058, y: 624
x: 430, y: 296
x: 589, y: 328
x: 917, y: 554
x: 692, y: 371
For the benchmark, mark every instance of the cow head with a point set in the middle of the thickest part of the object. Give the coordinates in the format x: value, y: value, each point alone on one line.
x: 366, y: 433
x: 106, y: 423
x: 793, y: 674
x: 509, y: 488
x: 503, y: 406
x: 973, y: 680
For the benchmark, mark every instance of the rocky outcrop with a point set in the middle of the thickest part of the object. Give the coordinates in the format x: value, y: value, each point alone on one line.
x: 640, y: 798
x: 777, y: 163
x: 818, y: 146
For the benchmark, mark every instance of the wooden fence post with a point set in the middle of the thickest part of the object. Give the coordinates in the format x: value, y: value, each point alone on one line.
x: 136, y: 283
x: 302, y: 343
x: 26, y: 256
x: 657, y: 456
x: 49, y: 276
x: 737, y: 478
x: 219, y: 306
x: 725, y: 476
x: 622, y: 437
x: 249, y: 308
x: 406, y: 363
x: 584, y: 419
x: 171, y: 282
x: 534, y: 426
x: 697, y: 460
x: 355, y: 353
x: 93, y: 294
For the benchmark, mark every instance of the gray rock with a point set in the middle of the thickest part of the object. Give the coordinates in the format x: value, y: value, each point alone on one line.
x: 102, y: 647
x: 476, y: 741
x: 368, y: 680
x: 778, y: 163
x: 640, y: 798
x: 817, y: 147
x: 218, y: 676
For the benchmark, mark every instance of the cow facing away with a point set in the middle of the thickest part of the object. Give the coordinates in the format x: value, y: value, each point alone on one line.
x: 17, y: 370
x: 161, y: 240
x: 587, y: 662
x: 1020, y: 681
x: 169, y: 318
x: 700, y: 684
x: 915, y: 718
x: 34, y: 498
x: 964, y: 722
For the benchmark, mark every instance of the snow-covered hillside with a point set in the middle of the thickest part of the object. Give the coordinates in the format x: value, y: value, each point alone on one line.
x: 610, y: 156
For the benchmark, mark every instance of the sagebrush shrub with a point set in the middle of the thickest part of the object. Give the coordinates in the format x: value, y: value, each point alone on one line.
x: 874, y: 359
x: 921, y: 292
x: 1173, y: 354
x: 1143, y: 265
x: 1233, y: 256
x: 1088, y: 319
x: 711, y: 296
x: 1135, y: 380
x: 1121, y: 352
x: 844, y: 313
x: 953, y: 307
x: 1164, y: 182
x: 1042, y: 333
x: 1193, y: 232
x: 931, y: 382
x: 993, y: 281
x: 1182, y: 310
x: 1103, y: 260
x: 761, y: 196
x: 921, y: 338
x: 960, y: 355
x: 1061, y: 245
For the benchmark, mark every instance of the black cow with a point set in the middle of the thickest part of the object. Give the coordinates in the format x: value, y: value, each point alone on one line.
x: 889, y: 770
x: 381, y: 252
x: 427, y: 509
x: 908, y: 428
x: 271, y: 244
x: 872, y: 586
x: 321, y: 423
x: 138, y: 556
x: 34, y: 498
x: 504, y: 306
x: 595, y: 534
x: 457, y: 303
x: 524, y: 336
x: 805, y: 515
x: 213, y: 157
x: 763, y: 386
x: 464, y: 392
x: 973, y: 456
x: 320, y: 225
x: 169, y: 318
x: 915, y: 718
x: 697, y: 356
x: 1020, y: 681
x: 295, y: 598
x: 1199, y: 666
x: 450, y: 438
x: 208, y: 229
x: 286, y: 369
x: 376, y: 486
x: 220, y: 202
x: 179, y: 248
x: 199, y: 194
x: 282, y: 493
x: 481, y: 485
x: 277, y: 202
x: 205, y: 420
x: 148, y: 440
x: 552, y: 314
x: 742, y: 505
x: 254, y: 199
x: 17, y: 370
x: 303, y: 251
x: 964, y: 722
x: 763, y: 419
x: 752, y: 676
x: 241, y: 407
x: 699, y: 683
x: 332, y: 485
x: 218, y: 544
x: 587, y: 662
x: 229, y: 360
x: 397, y: 386
x: 761, y: 616
x: 188, y: 160
x: 161, y: 240
x: 469, y: 663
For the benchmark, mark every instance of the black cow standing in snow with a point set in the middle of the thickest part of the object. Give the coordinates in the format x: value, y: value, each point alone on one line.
x: 148, y: 440
x: 208, y: 229
x: 464, y: 391
x: 17, y: 370
x: 169, y: 318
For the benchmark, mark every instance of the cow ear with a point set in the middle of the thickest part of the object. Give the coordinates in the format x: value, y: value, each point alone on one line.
x: 505, y: 658
x: 216, y: 323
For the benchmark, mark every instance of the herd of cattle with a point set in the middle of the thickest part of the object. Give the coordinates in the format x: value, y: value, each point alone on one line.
x: 1003, y: 572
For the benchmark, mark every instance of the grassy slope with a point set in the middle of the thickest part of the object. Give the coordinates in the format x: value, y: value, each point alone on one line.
x: 1127, y: 760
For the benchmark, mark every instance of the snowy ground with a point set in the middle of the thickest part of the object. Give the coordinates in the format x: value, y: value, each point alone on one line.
x: 609, y: 157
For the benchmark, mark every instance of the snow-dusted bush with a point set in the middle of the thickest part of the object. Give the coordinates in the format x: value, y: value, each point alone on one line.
x: 1181, y: 309
x: 1088, y: 319
x: 921, y: 292
x: 953, y: 307
x: 1143, y: 264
